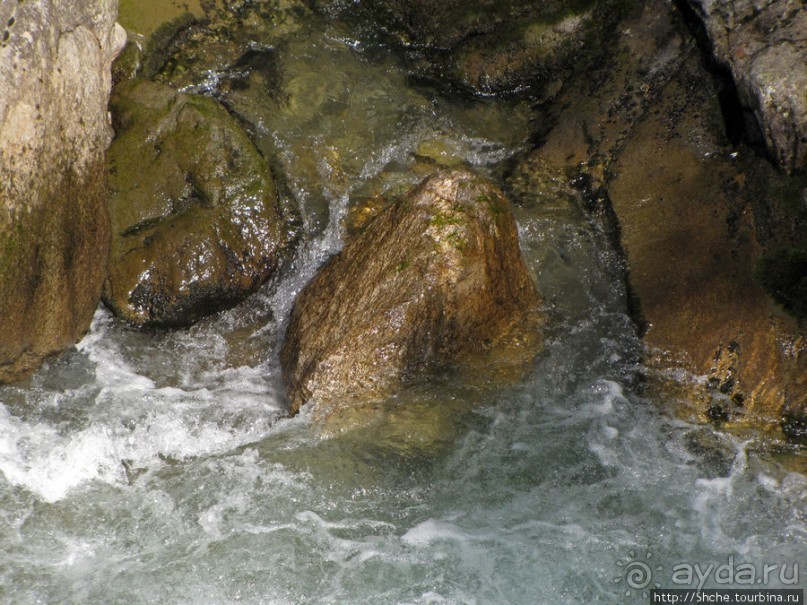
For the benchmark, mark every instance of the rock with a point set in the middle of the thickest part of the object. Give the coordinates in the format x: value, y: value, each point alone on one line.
x: 55, y: 80
x: 794, y: 424
x: 783, y: 274
x: 489, y: 46
x: 232, y: 41
x: 436, y: 278
x: 197, y: 224
x: 689, y: 230
x: 764, y: 46
x: 539, y: 54
x: 693, y: 216
x: 595, y: 115
x: 443, y: 24
x: 714, y: 454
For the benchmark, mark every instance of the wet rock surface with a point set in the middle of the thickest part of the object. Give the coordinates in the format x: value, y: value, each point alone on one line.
x: 693, y: 215
x: 764, y: 44
x: 435, y: 278
x: 196, y: 220
x: 183, y: 43
x: 54, y: 228
x: 630, y: 130
x: 688, y: 232
x: 491, y: 47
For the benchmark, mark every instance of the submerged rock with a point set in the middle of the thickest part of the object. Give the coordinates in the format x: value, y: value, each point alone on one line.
x: 197, y: 224
x: 232, y: 40
x: 55, y: 80
x: 437, y: 277
x: 764, y: 46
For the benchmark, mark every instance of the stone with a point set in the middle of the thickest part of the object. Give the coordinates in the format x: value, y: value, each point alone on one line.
x: 689, y: 230
x: 55, y: 80
x: 594, y: 116
x: 197, y: 224
x: 693, y: 215
x: 489, y: 47
x: 437, y: 278
x: 539, y: 54
x: 232, y: 40
x: 764, y: 46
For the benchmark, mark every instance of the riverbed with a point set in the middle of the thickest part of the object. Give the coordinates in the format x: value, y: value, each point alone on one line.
x: 163, y: 467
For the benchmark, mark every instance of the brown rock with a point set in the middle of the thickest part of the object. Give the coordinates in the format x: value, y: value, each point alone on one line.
x: 55, y: 80
x: 687, y: 226
x: 436, y: 277
x: 693, y: 217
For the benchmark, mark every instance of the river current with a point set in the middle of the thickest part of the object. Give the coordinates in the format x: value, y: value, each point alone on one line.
x: 162, y: 467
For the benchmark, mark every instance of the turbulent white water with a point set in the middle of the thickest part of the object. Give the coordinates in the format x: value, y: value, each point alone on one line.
x: 162, y: 468
x: 145, y: 468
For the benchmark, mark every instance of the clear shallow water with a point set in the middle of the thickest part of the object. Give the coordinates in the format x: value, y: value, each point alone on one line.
x: 161, y: 467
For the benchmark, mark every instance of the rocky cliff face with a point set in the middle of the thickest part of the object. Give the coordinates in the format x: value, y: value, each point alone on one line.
x: 55, y: 58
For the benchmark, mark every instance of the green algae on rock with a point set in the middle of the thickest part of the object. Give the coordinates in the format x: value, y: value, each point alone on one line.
x: 436, y: 278
x: 197, y: 223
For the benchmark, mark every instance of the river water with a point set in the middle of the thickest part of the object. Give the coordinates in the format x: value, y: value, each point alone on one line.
x: 161, y: 467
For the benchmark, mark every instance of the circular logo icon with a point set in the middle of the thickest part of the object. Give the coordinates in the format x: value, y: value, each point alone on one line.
x: 637, y: 573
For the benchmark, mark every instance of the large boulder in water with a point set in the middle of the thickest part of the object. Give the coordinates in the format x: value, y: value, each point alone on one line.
x: 435, y: 278
x: 55, y: 80
x: 197, y: 223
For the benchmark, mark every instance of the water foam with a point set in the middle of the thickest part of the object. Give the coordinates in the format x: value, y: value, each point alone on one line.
x: 131, y: 423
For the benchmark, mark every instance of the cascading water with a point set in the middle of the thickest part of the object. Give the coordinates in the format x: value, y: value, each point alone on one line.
x: 161, y: 467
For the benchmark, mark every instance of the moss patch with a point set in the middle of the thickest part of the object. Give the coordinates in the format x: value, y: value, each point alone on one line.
x: 440, y: 220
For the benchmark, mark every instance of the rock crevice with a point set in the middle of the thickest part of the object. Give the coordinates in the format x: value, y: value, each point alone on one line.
x: 765, y: 48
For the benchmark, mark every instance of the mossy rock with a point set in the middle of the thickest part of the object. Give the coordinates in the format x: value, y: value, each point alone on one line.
x: 181, y: 43
x: 437, y: 278
x: 196, y: 219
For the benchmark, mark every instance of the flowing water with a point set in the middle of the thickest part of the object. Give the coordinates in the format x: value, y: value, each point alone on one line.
x: 161, y: 467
